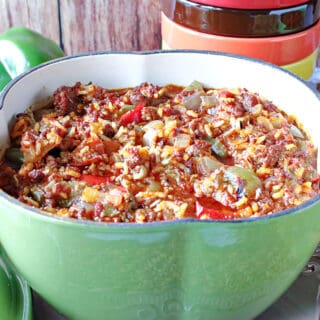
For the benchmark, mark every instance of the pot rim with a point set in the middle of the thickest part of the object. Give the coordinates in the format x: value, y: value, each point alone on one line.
x: 65, y: 220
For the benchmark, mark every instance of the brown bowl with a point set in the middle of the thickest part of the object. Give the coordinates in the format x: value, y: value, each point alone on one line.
x: 240, y: 22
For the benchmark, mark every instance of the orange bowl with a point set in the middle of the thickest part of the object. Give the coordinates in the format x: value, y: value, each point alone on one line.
x: 279, y: 50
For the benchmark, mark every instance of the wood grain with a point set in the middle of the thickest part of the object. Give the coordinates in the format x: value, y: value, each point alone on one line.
x: 89, y: 25
x: 39, y: 15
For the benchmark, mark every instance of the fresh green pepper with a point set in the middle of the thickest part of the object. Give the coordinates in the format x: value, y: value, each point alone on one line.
x: 22, y: 49
x: 4, y: 77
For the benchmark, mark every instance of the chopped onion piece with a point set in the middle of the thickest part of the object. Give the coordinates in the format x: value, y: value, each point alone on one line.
x: 296, y: 132
x: 155, y: 124
x: 182, y: 141
x: 149, y: 138
x: 91, y: 195
x: 206, y: 165
x: 152, y: 130
x: 193, y: 101
x: 209, y: 101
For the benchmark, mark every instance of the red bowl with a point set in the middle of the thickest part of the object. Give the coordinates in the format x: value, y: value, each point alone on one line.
x: 239, y: 22
x: 251, y: 4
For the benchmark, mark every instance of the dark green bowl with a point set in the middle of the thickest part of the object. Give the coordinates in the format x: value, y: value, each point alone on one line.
x: 172, y: 270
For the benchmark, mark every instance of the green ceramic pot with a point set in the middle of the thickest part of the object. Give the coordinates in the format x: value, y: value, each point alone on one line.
x: 15, y: 295
x: 172, y: 270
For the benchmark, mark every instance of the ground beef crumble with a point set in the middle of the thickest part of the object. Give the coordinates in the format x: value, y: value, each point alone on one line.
x: 154, y: 153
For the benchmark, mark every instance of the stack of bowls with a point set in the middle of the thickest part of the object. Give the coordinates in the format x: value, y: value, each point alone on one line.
x: 282, y: 32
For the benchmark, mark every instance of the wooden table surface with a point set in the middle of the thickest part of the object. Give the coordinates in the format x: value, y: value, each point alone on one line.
x: 88, y: 25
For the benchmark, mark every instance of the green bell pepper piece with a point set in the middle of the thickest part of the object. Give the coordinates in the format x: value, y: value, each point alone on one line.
x: 4, y: 77
x: 22, y: 49
x: 244, y: 180
x: 14, y: 155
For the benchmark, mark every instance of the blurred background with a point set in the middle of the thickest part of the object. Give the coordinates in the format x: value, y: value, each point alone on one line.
x: 88, y: 25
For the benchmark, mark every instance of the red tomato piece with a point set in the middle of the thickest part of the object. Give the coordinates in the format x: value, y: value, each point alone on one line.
x: 225, y: 94
x: 208, y: 207
x: 94, y: 180
x: 134, y: 115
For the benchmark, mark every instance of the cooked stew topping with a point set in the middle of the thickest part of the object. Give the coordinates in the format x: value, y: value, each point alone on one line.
x: 154, y: 153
